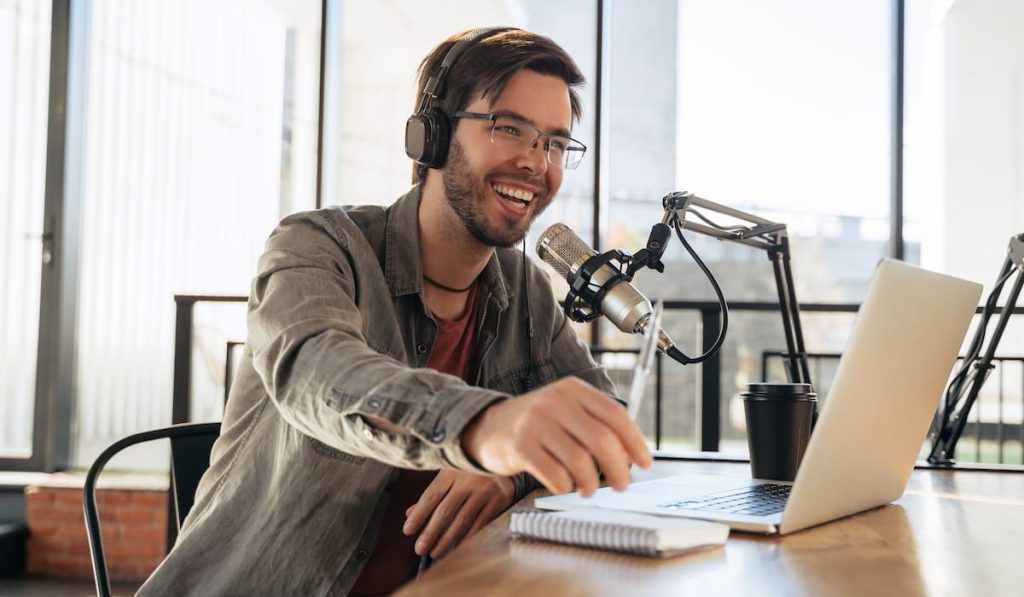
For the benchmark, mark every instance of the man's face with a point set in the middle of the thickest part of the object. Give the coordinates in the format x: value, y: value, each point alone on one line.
x: 480, y: 174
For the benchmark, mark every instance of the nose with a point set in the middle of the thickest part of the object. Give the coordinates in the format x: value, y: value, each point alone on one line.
x: 533, y: 157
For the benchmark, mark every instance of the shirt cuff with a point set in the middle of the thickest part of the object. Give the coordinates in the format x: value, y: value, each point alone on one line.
x: 447, y: 432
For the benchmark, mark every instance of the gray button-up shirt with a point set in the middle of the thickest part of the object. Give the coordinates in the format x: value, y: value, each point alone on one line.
x: 338, y: 331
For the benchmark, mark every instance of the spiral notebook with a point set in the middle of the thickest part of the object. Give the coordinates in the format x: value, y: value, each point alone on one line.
x: 613, y: 530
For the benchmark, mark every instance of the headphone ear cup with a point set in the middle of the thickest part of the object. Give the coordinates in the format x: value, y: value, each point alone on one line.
x: 426, y: 138
x: 417, y: 135
x: 441, y: 137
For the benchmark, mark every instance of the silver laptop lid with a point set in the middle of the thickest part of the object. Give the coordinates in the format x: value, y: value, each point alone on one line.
x: 889, y: 382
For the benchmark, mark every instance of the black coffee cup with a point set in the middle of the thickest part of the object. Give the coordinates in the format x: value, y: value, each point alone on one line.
x: 779, y: 420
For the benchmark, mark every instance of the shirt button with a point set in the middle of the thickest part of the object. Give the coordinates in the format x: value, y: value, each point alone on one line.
x: 421, y: 349
x: 438, y: 436
x: 368, y: 433
x: 374, y: 404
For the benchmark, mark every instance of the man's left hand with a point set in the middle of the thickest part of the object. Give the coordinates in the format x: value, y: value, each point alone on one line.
x: 455, y: 506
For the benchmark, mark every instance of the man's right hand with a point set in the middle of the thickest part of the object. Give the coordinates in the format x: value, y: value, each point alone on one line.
x: 561, y: 434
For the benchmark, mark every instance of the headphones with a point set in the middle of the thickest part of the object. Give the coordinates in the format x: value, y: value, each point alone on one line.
x: 428, y: 131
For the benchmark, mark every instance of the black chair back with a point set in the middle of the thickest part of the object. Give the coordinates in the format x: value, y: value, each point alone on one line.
x: 191, y: 444
x: 190, y: 457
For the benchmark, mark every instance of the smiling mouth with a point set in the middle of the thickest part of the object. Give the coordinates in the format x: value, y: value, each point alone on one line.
x: 518, y: 196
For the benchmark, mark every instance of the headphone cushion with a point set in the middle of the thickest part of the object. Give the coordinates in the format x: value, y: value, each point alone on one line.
x: 441, y: 137
x: 426, y: 138
x: 416, y: 137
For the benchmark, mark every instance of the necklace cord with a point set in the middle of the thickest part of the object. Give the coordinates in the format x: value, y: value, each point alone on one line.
x: 449, y: 288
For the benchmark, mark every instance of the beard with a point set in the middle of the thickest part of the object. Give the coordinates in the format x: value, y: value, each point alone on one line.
x: 466, y: 194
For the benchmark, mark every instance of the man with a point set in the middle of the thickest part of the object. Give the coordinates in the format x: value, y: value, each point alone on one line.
x: 385, y: 345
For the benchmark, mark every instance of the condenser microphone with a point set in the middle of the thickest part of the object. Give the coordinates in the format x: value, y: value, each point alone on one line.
x: 609, y: 294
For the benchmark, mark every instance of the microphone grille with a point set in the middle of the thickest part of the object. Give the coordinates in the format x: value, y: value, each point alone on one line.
x: 560, y: 248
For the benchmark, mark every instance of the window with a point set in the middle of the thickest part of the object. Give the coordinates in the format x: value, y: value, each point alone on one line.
x: 780, y: 109
x: 201, y: 132
x: 24, y: 87
x: 196, y: 129
x: 964, y: 148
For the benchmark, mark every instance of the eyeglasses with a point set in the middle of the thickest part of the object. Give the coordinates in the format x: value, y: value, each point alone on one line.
x: 564, y: 152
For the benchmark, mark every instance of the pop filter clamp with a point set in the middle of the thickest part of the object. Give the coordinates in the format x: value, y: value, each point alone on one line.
x: 582, y: 294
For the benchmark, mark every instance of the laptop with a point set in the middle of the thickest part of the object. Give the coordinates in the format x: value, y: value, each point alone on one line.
x: 869, y: 433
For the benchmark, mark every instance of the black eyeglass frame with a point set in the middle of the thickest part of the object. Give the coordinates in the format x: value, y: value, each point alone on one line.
x: 582, y: 149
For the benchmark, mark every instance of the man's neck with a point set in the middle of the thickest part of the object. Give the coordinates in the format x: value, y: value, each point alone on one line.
x: 449, y: 253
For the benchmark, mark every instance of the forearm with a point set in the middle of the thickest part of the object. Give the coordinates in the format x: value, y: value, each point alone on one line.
x: 351, y: 398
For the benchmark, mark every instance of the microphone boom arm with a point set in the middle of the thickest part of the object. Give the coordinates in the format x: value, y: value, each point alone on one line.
x: 965, y: 386
x: 759, y: 233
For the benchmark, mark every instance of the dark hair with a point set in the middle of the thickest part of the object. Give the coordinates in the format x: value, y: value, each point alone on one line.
x: 485, y: 68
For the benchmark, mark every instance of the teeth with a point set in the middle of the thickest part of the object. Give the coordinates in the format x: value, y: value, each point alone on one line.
x: 525, y: 196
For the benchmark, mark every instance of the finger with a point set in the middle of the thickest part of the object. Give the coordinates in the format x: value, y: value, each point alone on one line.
x: 419, y: 512
x: 497, y: 504
x: 440, y: 519
x: 546, y: 469
x: 617, y: 418
x: 459, y: 527
x: 605, y: 447
x: 575, y: 458
x: 490, y: 511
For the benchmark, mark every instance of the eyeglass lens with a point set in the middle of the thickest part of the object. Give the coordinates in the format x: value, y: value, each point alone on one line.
x: 561, y: 151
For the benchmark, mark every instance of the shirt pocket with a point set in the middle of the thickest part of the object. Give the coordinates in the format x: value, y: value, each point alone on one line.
x: 325, y: 451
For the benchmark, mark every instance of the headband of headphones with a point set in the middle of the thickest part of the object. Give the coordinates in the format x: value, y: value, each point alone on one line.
x: 427, y: 131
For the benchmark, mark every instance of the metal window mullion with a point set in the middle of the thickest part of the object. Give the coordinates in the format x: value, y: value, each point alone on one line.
x: 601, y: 94
x: 897, y: 249
x: 51, y: 441
x: 320, y: 107
x: 999, y: 425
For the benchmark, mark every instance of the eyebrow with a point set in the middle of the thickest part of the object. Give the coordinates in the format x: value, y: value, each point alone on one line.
x: 561, y: 132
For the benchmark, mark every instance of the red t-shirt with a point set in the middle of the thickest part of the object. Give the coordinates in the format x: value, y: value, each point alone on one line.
x: 393, y: 561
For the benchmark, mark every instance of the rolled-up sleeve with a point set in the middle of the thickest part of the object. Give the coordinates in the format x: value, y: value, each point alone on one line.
x: 308, y: 346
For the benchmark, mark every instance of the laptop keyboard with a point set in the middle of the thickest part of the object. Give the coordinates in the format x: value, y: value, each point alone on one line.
x: 758, y: 500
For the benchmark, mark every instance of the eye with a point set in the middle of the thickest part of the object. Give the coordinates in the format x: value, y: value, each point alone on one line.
x: 558, y: 143
x: 506, y: 128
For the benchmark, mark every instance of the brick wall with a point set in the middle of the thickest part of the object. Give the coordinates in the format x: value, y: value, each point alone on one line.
x: 133, y: 523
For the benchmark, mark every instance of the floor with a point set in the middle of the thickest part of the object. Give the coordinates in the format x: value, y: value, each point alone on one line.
x: 40, y: 587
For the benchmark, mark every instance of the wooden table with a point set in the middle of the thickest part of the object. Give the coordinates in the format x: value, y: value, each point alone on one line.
x: 952, y: 533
